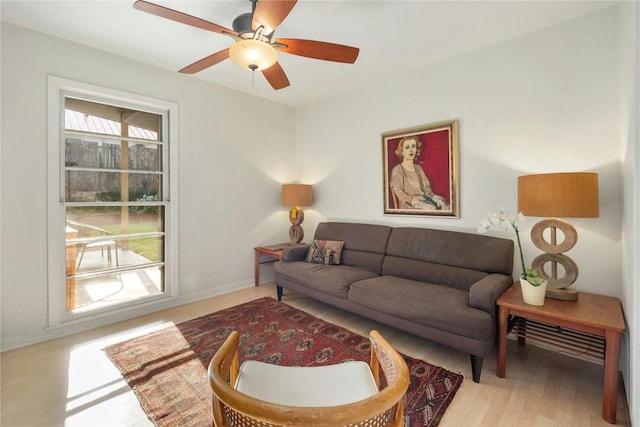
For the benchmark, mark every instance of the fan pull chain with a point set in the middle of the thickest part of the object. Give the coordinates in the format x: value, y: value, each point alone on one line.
x: 253, y: 68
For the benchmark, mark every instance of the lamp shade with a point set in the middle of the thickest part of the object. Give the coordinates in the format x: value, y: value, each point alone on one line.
x: 253, y: 54
x: 568, y: 194
x: 296, y: 195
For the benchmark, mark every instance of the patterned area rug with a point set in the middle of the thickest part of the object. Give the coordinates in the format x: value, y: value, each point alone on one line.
x: 167, y: 369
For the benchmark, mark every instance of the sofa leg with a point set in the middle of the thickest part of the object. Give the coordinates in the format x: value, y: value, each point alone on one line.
x: 279, y: 292
x: 476, y: 368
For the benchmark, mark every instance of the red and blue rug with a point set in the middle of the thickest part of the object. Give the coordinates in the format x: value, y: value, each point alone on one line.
x: 167, y: 369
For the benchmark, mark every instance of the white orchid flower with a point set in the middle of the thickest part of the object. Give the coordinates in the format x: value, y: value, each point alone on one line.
x: 503, y: 220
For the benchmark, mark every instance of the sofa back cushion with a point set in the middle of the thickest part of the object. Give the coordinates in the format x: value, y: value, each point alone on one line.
x: 446, y: 257
x: 364, y: 244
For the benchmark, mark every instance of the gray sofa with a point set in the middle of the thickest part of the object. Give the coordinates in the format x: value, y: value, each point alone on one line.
x: 439, y: 285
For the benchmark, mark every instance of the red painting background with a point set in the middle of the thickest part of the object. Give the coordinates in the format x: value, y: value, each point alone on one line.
x: 433, y: 157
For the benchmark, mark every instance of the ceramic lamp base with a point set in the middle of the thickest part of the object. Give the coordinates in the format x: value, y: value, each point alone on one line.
x: 296, y: 233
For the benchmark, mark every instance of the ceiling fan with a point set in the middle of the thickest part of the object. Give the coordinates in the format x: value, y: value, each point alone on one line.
x: 254, y: 47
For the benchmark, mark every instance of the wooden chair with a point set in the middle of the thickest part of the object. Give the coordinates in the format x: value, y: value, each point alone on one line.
x: 259, y: 394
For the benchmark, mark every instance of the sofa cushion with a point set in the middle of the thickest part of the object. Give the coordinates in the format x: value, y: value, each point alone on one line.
x: 422, y: 271
x: 440, y: 307
x: 325, y: 251
x: 456, y: 249
x: 364, y: 246
x: 330, y: 279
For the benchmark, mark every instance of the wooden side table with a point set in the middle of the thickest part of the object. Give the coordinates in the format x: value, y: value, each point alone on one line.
x: 591, y: 313
x: 274, y: 252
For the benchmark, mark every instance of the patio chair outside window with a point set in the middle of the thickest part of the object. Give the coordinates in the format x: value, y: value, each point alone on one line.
x: 102, y: 241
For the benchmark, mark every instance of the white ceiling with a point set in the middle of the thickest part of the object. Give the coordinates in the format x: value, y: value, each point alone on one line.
x: 394, y: 37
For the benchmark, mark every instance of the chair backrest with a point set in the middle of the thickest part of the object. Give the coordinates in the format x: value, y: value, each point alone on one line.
x: 233, y: 408
x: 86, y: 230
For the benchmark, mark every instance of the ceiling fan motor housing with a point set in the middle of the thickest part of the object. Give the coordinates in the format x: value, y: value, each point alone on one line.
x: 242, y: 25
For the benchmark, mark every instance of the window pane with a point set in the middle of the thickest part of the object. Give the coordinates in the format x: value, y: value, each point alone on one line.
x: 89, y: 151
x: 139, y: 219
x: 103, y: 238
x: 113, y: 288
x: 115, y: 159
x: 93, y: 117
x: 88, y: 186
x: 106, y: 253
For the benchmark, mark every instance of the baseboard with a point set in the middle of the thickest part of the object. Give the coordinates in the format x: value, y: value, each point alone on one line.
x: 107, y: 318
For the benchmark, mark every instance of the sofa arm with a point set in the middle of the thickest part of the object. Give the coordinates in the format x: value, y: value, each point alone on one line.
x: 294, y: 253
x: 484, y: 293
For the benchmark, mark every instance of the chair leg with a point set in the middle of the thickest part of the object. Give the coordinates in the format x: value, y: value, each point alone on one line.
x: 82, y: 248
x: 279, y: 292
x: 476, y: 367
x: 115, y: 249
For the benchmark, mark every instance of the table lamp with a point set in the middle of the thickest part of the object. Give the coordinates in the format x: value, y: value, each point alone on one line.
x: 569, y: 194
x: 296, y: 195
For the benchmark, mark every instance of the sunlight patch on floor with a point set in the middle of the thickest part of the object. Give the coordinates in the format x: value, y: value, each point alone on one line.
x: 97, y: 395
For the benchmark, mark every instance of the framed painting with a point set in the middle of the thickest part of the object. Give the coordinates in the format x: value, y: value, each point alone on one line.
x: 420, y: 169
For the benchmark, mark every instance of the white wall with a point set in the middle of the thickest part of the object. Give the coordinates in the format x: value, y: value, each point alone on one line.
x: 234, y: 150
x: 630, y: 106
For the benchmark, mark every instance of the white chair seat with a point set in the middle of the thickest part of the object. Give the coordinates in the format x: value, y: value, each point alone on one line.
x: 344, y: 394
x: 316, y: 386
x: 101, y: 243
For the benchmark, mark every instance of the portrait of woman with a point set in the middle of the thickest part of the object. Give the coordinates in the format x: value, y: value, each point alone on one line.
x: 410, y: 186
x: 420, y: 170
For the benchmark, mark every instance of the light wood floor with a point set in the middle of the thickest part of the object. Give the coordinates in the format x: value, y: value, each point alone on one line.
x: 69, y: 381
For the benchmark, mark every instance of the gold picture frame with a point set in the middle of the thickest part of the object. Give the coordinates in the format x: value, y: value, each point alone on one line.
x: 420, y: 170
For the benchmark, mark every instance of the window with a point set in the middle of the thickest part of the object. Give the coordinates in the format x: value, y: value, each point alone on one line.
x: 111, y: 159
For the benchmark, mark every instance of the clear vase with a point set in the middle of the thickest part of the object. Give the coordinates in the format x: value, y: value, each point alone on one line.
x: 533, y: 295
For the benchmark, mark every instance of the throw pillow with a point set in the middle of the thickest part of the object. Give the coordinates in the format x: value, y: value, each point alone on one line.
x: 325, y: 251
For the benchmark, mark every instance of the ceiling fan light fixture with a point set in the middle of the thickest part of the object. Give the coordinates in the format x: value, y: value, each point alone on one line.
x: 255, y: 47
x: 253, y: 54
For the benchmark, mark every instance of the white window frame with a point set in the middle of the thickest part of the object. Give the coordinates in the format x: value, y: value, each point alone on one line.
x: 57, y: 89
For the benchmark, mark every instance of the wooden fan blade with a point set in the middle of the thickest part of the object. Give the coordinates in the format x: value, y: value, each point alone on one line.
x: 320, y: 50
x: 183, y: 18
x: 276, y: 76
x: 271, y: 13
x: 207, y: 62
